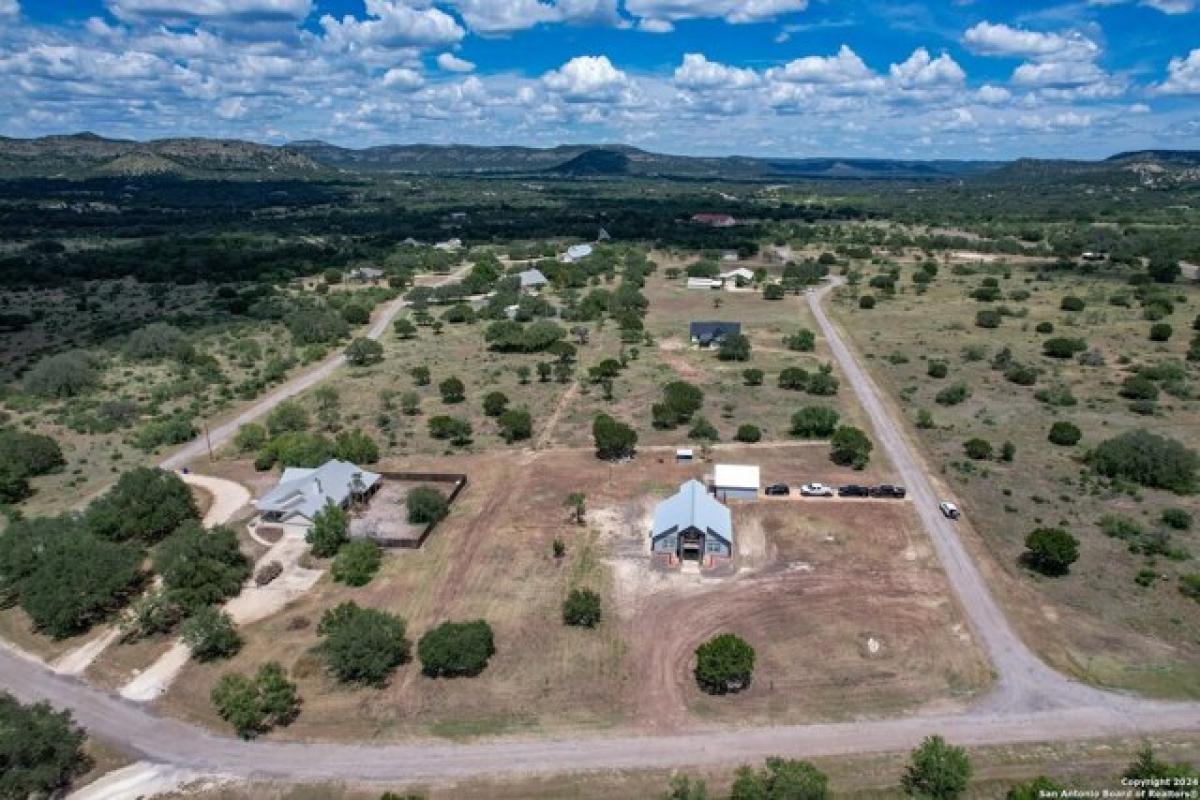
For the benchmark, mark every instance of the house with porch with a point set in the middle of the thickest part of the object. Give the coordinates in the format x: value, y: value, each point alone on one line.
x: 302, y: 492
x: 710, y: 334
x: 692, y: 525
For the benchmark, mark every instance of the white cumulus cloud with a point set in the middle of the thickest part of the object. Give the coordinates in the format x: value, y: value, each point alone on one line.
x: 9, y: 8
x: 697, y: 72
x: 587, y: 79
x: 226, y: 10
x: 402, y: 78
x: 1001, y: 40
x: 449, y: 62
x: 1183, y: 75
x: 390, y: 24
x: 656, y: 16
x: 923, y: 71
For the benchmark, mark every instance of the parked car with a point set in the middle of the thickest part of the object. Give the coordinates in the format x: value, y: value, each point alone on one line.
x: 888, y: 490
x: 949, y: 510
x: 816, y: 490
x: 854, y: 490
x: 778, y: 489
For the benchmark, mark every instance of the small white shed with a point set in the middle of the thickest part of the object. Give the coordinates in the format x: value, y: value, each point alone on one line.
x: 736, y: 482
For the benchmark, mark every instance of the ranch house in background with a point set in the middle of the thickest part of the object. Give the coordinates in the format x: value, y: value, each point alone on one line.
x: 301, y: 493
x: 692, y: 526
x: 708, y: 334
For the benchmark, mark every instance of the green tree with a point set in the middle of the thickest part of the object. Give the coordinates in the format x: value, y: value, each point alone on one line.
x: 404, y: 327
x: 1051, y: 551
x: 1071, y: 303
x: 145, y: 505
x: 1147, y: 766
x: 582, y: 608
x: 420, y: 375
x: 61, y: 376
x: 1147, y: 459
x: 151, y: 614
x: 803, y: 340
x: 425, y: 505
x: 703, y: 430
x: 288, y: 416
x: 458, y: 431
x: 937, y: 369
x: 1064, y: 434
x: 814, y: 422
x: 238, y: 702
x: 356, y: 447
x: 748, y: 433
x: 250, y: 437
x: 952, y: 395
x: 793, y: 378
x: 780, y: 779
x: 1063, y: 347
x: 773, y: 291
x: 278, y: 699
x: 363, y: 645
x: 734, y: 347
x: 937, y: 771
x: 850, y: 447
x: 363, y: 352
x: 357, y: 562
x: 211, y: 635
x: 330, y: 530
x: 977, y: 449
x: 614, y: 440
x: 724, y: 664
x: 200, y: 567
x: 456, y: 649
x: 515, y: 425
x: 495, y: 404
x: 752, y: 377
x: 822, y: 383
x: 452, y: 390
x: 41, y: 750
x: 296, y: 449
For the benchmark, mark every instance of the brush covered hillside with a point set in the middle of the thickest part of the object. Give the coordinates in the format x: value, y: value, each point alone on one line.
x: 1152, y: 169
x: 88, y: 156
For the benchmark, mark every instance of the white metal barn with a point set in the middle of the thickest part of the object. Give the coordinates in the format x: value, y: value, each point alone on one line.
x: 736, y: 482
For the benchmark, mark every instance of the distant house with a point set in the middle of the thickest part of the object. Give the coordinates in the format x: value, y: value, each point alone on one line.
x: 714, y: 220
x: 365, y: 274
x: 602, y: 236
x: 532, y: 279
x: 729, y: 255
x: 705, y: 283
x: 1092, y: 255
x: 736, y: 482
x: 450, y: 245
x: 707, y: 334
x: 301, y: 493
x: 577, y: 252
x: 692, y: 526
x: 741, y: 274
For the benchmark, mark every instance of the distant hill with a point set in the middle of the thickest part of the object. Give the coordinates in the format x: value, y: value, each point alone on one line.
x: 87, y: 155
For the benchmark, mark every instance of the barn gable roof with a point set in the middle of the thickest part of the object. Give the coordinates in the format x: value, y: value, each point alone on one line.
x: 693, y: 507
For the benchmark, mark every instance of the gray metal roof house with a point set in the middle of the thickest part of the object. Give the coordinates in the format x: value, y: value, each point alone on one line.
x: 691, y: 525
x: 301, y: 493
x: 707, y: 334
x: 532, y: 279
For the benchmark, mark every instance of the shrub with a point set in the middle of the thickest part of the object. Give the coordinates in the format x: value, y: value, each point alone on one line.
x: 850, y: 447
x: 814, y: 422
x: 515, y: 425
x: 614, y: 440
x: 822, y: 383
x: 404, y: 327
x: 978, y: 449
x: 803, y: 340
x: 287, y: 417
x: 297, y: 449
x: 1139, y: 387
x: 1063, y: 347
x: 363, y: 352
x: 793, y: 378
x: 988, y: 318
x: 151, y: 614
x: 495, y: 403
x: 582, y: 608
x: 200, y: 567
x: 457, y: 431
x: 781, y: 779
x: 1065, y: 434
x: 752, y: 377
x: 1045, y: 327
x: 452, y: 390
x: 1021, y: 374
x: 724, y: 664
x: 1160, y: 332
x: 1177, y: 518
x: 267, y: 573
x: 210, y: 635
x: 41, y: 750
x: 748, y: 433
x: 456, y: 649
x: 357, y: 562
x: 250, y: 436
x: 1058, y: 396
x: 356, y: 447
x: 952, y: 395
x: 330, y: 530
x: 937, y: 770
x: 773, y: 291
x: 146, y: 504
x: 1072, y: 303
x: 1189, y: 586
x: 64, y: 375
x: 703, y: 430
x: 255, y: 706
x: 1051, y: 551
x: 866, y: 302
x: 425, y: 505
x: 363, y: 645
x: 937, y: 369
x: 925, y: 419
x: 734, y: 347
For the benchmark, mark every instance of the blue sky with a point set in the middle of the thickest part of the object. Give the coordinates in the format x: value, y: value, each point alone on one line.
x: 939, y: 79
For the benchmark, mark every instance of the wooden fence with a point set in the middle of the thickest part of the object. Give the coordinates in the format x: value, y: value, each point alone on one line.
x: 460, y: 482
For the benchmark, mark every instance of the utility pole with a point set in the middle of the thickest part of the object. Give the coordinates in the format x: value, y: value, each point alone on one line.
x: 208, y: 440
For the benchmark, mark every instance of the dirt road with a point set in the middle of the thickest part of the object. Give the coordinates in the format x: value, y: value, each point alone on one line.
x: 301, y: 383
x: 1031, y: 703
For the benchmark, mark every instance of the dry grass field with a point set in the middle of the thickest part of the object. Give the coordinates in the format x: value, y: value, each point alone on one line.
x: 1097, y: 623
x: 842, y: 599
x: 1095, y: 765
